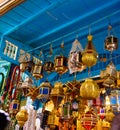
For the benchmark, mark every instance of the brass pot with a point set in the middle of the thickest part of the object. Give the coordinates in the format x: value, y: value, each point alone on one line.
x: 89, y: 89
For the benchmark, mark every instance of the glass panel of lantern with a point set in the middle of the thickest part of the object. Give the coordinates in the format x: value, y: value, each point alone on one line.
x: 37, y: 70
x: 44, y: 91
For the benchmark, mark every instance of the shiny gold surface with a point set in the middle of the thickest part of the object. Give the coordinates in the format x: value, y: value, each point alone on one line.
x: 22, y: 117
x: 89, y: 89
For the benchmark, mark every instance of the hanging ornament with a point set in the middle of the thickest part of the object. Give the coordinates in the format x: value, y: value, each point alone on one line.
x: 57, y: 94
x: 37, y: 70
x: 115, y: 100
x: 89, y: 89
x: 110, y: 75
x: 44, y: 91
x: 60, y: 63
x: 109, y: 116
x: 111, y: 42
x: 89, y: 55
x: 75, y: 63
x: 53, y: 120
x: 22, y: 117
x: 28, y: 83
x: 49, y: 65
x: 89, y: 120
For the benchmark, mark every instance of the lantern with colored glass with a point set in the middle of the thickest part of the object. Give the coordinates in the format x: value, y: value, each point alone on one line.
x: 14, y: 106
x: 22, y: 117
x: 89, y: 89
x: 115, y: 100
x: 89, y: 55
x: 89, y: 120
x: 49, y: 66
x: 37, y: 71
x: 57, y: 94
x: 44, y: 91
x: 111, y: 42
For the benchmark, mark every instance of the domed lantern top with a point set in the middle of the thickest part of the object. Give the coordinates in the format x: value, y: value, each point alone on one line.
x: 89, y: 55
x: 89, y: 89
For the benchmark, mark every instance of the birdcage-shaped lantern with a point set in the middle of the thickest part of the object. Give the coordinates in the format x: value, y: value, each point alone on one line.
x: 89, y: 120
x: 57, y: 94
x: 89, y: 89
x: 44, y: 91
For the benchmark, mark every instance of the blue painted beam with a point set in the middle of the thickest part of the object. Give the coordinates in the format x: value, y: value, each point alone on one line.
x: 56, y: 3
x: 76, y: 20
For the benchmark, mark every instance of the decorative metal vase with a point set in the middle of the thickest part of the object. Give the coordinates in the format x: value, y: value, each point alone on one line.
x: 89, y: 89
x: 111, y: 43
x: 89, y: 55
x: 44, y: 91
x: 22, y: 117
x: 60, y: 64
x: 37, y: 71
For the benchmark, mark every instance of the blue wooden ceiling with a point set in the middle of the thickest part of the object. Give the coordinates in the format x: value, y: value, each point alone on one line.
x: 37, y: 23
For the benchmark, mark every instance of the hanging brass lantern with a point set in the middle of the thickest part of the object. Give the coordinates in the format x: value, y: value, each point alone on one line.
x: 89, y: 55
x: 14, y: 106
x: 22, y: 117
x: 30, y: 65
x: 89, y: 120
x: 37, y: 71
x: 60, y: 64
x: 53, y: 120
x: 44, y: 91
x: 49, y: 67
x: 57, y: 94
x: 89, y: 89
x: 109, y: 116
x: 28, y: 83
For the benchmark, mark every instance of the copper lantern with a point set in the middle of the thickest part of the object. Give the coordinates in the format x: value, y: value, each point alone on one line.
x: 89, y: 55
x: 49, y: 66
x: 89, y: 89
x: 37, y: 71
x: 60, y: 64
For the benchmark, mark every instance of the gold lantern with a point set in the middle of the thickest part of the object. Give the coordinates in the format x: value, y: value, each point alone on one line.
x: 57, y: 94
x: 49, y: 67
x: 89, y: 55
x: 23, y: 66
x: 106, y: 125
x: 60, y: 64
x: 53, y: 120
x: 22, y: 117
x: 37, y: 71
x: 89, y: 89
x: 44, y: 91
x: 109, y: 116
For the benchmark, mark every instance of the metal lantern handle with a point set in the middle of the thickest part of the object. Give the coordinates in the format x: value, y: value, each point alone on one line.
x: 14, y: 79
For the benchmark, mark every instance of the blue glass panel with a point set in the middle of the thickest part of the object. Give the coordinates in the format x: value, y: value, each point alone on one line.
x: 14, y: 106
x: 118, y: 100
x: 113, y: 100
x: 45, y: 91
x: 41, y: 91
